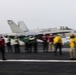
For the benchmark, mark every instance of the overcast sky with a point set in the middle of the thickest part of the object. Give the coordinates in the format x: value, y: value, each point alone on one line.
x: 38, y: 13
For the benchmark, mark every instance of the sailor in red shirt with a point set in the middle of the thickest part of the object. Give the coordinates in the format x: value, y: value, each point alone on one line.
x: 50, y: 40
x: 2, y: 47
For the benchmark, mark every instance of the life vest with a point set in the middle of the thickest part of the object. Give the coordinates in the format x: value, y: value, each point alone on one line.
x: 72, y: 43
x: 26, y: 40
x: 57, y: 39
x: 51, y: 38
x: 2, y: 42
x: 16, y: 41
x: 8, y: 39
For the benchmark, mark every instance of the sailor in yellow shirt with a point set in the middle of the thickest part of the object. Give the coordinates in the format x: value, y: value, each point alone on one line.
x: 72, y: 47
x: 58, y: 44
x: 16, y: 45
x: 75, y: 45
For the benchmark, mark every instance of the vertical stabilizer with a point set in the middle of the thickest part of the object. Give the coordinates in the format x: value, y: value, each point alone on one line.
x: 22, y: 25
x: 14, y: 27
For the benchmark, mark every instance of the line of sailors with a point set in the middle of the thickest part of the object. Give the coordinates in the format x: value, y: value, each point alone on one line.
x: 57, y: 43
x: 52, y: 43
x: 30, y: 44
x: 48, y: 44
x: 16, y: 44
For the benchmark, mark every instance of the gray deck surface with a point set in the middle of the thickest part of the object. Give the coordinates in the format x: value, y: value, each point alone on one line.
x: 12, y: 66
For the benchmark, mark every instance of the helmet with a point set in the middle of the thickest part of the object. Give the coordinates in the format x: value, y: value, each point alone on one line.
x: 30, y: 36
x: 15, y: 37
x: 58, y: 34
x: 72, y: 35
x: 51, y: 34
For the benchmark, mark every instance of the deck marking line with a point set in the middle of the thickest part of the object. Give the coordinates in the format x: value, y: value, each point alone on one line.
x: 20, y: 60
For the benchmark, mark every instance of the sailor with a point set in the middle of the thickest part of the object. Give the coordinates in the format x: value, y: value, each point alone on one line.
x: 31, y: 41
x: 8, y: 44
x: 72, y: 46
x: 26, y: 41
x: 35, y: 44
x: 2, y: 47
x: 45, y: 44
x: 58, y: 44
x: 50, y: 40
x: 16, y: 45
